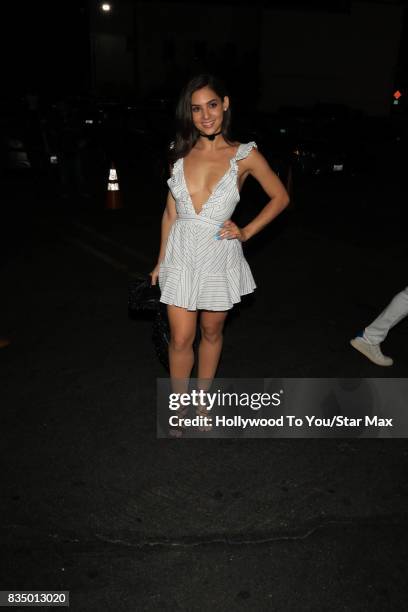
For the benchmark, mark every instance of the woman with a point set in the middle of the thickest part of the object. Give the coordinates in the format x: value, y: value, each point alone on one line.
x: 201, y: 267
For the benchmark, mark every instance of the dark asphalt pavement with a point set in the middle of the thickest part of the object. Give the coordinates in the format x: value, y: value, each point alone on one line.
x: 93, y: 503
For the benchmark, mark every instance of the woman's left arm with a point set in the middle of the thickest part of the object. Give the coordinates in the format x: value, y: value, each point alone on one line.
x: 256, y: 165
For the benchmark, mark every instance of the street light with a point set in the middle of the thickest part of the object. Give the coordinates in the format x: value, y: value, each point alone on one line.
x: 106, y: 7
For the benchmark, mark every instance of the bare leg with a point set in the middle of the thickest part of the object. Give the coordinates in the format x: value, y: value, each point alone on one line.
x: 209, y: 352
x: 183, y: 324
x: 181, y: 355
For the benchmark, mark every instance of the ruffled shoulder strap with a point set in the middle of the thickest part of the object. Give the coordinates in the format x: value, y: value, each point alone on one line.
x: 176, y: 165
x: 245, y: 149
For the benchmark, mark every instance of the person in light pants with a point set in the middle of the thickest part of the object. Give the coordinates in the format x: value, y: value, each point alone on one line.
x: 368, y: 341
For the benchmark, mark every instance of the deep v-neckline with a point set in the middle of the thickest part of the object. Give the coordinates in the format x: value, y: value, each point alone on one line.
x: 216, y: 185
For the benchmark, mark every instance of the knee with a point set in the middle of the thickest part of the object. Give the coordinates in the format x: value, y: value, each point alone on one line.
x: 211, y: 333
x: 181, y: 342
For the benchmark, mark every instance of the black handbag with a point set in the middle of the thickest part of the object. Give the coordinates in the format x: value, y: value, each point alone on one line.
x: 161, y: 336
x: 144, y: 301
x: 143, y: 296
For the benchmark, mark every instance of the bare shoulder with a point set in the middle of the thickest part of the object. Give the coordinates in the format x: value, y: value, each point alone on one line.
x: 249, y: 157
x: 252, y: 158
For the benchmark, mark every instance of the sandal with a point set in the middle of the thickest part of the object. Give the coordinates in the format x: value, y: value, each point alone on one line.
x: 203, y: 412
x: 177, y: 431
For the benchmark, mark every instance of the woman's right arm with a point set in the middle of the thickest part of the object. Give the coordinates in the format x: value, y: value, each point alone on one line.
x: 168, y: 218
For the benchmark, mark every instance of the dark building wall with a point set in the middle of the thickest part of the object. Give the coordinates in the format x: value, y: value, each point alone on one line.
x: 112, y: 51
x: 346, y: 58
x: 269, y: 56
x: 178, y: 39
x: 46, y: 47
x: 152, y: 47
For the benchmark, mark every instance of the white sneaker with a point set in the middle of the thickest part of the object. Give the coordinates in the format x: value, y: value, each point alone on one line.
x: 372, y: 351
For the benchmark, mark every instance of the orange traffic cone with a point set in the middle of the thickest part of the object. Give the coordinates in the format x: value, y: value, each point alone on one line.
x: 113, y: 199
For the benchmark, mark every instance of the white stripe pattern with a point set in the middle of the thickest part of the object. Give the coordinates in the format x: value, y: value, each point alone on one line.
x: 199, y: 271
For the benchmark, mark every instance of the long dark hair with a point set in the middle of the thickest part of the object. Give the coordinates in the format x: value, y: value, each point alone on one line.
x: 186, y: 132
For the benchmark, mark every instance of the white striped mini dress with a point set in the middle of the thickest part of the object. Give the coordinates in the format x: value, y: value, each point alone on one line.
x: 200, y: 271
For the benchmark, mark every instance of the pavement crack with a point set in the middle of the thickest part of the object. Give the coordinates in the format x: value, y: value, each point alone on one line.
x: 237, y: 540
x: 14, y: 534
x: 230, y: 541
